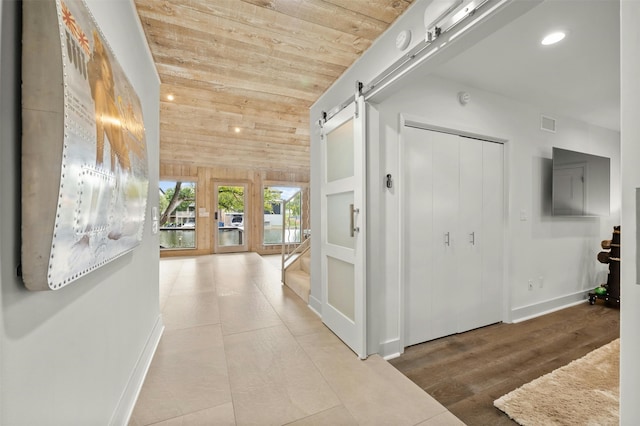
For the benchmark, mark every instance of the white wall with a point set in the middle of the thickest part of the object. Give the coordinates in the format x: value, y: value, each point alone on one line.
x: 540, y: 246
x: 74, y: 356
x: 561, y: 250
x: 630, y: 291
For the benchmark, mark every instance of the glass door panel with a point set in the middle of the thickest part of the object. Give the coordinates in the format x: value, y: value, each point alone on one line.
x: 282, y: 215
x: 230, y: 230
x: 177, y: 215
x: 340, y: 152
x: 341, y: 291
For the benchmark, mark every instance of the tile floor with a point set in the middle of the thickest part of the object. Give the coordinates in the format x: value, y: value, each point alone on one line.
x: 240, y: 348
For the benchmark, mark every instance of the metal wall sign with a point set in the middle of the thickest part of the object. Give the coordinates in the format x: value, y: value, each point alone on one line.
x: 102, y: 189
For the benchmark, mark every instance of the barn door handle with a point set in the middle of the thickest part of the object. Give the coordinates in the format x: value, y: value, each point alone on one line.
x: 472, y: 240
x: 447, y: 239
x: 352, y: 220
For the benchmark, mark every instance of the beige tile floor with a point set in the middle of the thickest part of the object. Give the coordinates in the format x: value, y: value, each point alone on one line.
x: 240, y: 348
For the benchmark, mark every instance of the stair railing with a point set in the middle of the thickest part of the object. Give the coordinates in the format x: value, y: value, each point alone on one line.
x: 296, y: 235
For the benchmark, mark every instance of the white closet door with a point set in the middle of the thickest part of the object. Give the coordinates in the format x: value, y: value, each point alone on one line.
x: 492, y: 242
x: 417, y: 224
x: 470, y: 245
x: 446, y: 241
x: 452, y: 227
x: 430, y: 220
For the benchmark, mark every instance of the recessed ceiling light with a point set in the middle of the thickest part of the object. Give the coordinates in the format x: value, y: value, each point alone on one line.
x: 553, y: 38
x: 170, y: 97
x: 237, y: 129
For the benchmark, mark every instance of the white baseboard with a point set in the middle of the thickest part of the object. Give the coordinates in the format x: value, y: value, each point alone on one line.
x: 392, y: 356
x: 315, y: 305
x: 524, y: 313
x: 123, y: 411
x: 391, y: 349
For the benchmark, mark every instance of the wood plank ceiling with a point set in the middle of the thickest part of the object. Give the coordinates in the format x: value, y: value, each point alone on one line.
x: 243, y: 73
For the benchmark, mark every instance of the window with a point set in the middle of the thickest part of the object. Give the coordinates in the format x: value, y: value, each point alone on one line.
x: 282, y: 209
x: 178, y: 215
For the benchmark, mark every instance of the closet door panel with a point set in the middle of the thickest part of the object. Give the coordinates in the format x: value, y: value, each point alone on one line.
x: 470, y: 245
x: 452, y: 226
x: 446, y: 241
x: 418, y: 234
x: 493, y: 230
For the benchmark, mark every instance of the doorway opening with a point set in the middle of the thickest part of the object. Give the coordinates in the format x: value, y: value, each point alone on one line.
x: 231, y: 230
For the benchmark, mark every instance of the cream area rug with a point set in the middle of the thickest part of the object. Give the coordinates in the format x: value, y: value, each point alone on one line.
x: 584, y: 392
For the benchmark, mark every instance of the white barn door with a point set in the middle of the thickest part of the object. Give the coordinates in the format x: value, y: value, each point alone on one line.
x: 343, y: 226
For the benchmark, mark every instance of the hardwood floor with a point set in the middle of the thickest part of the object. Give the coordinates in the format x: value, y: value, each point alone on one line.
x: 467, y: 372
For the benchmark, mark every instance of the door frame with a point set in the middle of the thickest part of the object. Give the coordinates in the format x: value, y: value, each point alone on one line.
x: 423, y: 123
x: 247, y: 219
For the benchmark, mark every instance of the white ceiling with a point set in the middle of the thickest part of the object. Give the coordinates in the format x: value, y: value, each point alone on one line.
x: 578, y: 77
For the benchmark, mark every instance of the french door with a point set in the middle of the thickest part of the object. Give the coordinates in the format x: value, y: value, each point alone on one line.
x: 231, y: 229
x: 343, y: 226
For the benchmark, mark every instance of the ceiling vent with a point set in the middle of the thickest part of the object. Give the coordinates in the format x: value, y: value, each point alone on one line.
x: 548, y: 124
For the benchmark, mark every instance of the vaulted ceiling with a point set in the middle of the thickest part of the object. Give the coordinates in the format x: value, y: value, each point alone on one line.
x: 243, y: 73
